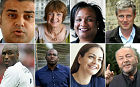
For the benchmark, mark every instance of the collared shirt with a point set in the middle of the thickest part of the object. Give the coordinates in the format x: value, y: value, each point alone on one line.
x: 129, y: 82
x: 131, y: 37
x: 59, y: 77
x: 17, y: 76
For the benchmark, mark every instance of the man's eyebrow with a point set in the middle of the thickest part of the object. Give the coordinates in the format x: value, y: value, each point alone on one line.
x: 11, y: 10
x: 29, y: 12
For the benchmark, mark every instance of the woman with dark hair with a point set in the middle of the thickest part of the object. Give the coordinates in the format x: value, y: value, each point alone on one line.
x: 54, y: 30
x: 88, y: 67
x: 87, y: 21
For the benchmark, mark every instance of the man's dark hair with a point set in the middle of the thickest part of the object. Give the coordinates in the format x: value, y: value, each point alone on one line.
x: 3, y: 2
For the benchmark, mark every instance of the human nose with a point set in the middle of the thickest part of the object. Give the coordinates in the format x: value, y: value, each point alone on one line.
x: 54, y: 16
x: 19, y: 21
x: 6, y: 57
x: 94, y: 60
x: 83, y: 22
x: 125, y: 18
x: 125, y: 60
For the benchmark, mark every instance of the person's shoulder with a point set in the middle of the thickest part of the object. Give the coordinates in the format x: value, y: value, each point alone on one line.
x: 99, y: 79
x: 42, y: 69
x: 63, y: 67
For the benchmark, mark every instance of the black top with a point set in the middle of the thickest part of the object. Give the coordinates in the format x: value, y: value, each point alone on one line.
x: 99, y: 38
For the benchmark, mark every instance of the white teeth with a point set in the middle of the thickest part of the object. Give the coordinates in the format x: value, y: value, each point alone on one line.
x: 83, y: 29
x: 93, y: 67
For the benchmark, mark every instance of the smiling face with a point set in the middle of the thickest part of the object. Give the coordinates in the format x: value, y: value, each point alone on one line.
x: 54, y: 19
x: 85, y: 23
x: 17, y: 21
x: 127, y: 60
x: 126, y: 18
x: 91, y: 62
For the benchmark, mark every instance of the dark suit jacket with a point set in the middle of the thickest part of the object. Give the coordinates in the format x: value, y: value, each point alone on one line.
x: 119, y: 81
x: 112, y: 36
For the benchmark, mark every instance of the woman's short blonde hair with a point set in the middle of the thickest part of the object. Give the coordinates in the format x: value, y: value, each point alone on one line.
x: 56, y: 6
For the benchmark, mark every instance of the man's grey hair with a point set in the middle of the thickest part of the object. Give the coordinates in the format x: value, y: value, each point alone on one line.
x: 124, y: 4
x: 3, y: 2
x: 134, y: 50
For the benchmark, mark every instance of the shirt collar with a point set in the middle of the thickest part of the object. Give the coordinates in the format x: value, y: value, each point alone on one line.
x: 131, y: 37
x: 57, y: 67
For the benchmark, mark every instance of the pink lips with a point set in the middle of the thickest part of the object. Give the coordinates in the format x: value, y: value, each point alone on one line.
x: 93, y: 66
x: 18, y: 32
x: 83, y: 29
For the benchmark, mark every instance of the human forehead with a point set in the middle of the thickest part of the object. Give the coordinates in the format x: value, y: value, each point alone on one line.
x: 52, y: 51
x: 126, y: 10
x: 124, y: 51
x: 19, y: 6
x: 95, y: 51
x: 10, y: 48
x: 85, y: 11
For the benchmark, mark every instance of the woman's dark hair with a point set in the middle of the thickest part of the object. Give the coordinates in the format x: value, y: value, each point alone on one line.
x: 95, y: 8
x: 84, y: 49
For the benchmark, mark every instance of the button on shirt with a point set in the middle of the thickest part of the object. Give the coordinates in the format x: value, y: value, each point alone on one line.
x: 131, y: 37
x: 59, y: 77
x: 17, y: 76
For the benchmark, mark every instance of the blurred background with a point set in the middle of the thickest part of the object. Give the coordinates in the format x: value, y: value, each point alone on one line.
x: 110, y: 55
x: 40, y: 11
x: 74, y: 49
x: 26, y: 56
x: 63, y: 53
x: 101, y: 3
x: 111, y: 20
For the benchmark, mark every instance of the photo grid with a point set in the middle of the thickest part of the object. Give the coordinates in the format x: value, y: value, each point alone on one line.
x: 69, y: 43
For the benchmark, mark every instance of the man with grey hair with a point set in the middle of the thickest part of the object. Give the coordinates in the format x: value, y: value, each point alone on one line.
x: 127, y: 60
x: 127, y: 31
x: 17, y: 21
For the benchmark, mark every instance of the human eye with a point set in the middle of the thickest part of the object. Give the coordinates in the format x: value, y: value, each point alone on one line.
x: 92, y: 56
x: 50, y: 14
x: 120, y: 58
x: 12, y: 16
x: 128, y: 56
x: 59, y: 14
x: 3, y: 53
x: 128, y: 16
x: 90, y: 20
x: 28, y: 16
x: 78, y: 20
x: 99, y: 60
x: 121, y: 16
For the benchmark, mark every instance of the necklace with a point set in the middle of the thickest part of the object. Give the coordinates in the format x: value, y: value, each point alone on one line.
x: 53, y: 36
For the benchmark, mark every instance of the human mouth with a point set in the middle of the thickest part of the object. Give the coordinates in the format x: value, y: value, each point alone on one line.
x: 83, y: 29
x: 19, y: 32
x: 93, y: 67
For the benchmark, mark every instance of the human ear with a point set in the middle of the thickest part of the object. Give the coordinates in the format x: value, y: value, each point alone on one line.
x: 79, y: 59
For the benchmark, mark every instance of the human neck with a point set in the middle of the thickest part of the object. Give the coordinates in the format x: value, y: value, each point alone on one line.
x: 85, y: 40
x: 52, y: 67
x: 55, y: 30
x: 131, y: 74
x: 126, y: 32
x: 82, y: 78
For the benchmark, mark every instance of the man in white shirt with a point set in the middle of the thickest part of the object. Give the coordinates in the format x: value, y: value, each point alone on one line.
x: 16, y: 74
